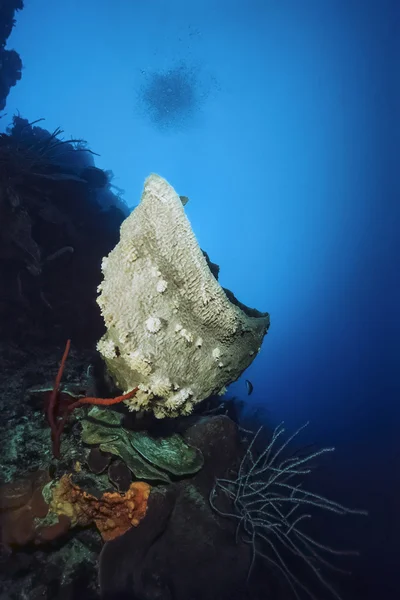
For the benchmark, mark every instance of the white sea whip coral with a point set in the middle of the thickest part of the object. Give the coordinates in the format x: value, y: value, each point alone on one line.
x: 267, y: 507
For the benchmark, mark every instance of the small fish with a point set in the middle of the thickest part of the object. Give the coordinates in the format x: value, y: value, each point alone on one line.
x: 249, y: 387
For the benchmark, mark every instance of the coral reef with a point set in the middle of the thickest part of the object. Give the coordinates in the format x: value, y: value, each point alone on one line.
x: 184, y: 339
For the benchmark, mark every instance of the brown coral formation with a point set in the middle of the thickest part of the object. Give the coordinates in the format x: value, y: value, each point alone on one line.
x: 113, y: 513
x: 22, y: 507
x: 26, y: 517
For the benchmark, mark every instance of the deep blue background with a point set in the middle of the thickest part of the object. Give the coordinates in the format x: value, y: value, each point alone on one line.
x: 289, y: 158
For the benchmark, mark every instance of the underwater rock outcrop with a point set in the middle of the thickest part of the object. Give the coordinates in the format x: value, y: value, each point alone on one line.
x: 171, y: 328
x: 55, y: 226
x: 10, y: 61
x: 182, y: 549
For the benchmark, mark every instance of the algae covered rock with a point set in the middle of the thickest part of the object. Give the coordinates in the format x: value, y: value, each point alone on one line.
x: 171, y: 328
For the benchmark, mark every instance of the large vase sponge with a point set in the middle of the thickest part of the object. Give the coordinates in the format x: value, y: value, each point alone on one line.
x: 171, y: 329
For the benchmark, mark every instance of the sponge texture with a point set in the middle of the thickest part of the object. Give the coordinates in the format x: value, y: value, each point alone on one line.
x: 171, y: 329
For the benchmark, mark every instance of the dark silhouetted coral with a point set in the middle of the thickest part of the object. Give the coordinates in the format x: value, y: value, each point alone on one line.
x: 10, y: 61
x: 53, y: 235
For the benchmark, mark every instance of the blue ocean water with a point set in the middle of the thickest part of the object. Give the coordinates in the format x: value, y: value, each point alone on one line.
x: 280, y: 122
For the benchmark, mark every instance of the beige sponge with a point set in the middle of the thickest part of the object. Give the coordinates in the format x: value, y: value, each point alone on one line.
x: 171, y: 329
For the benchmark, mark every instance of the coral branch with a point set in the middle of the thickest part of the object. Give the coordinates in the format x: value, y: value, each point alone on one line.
x: 103, y: 401
x: 53, y: 409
